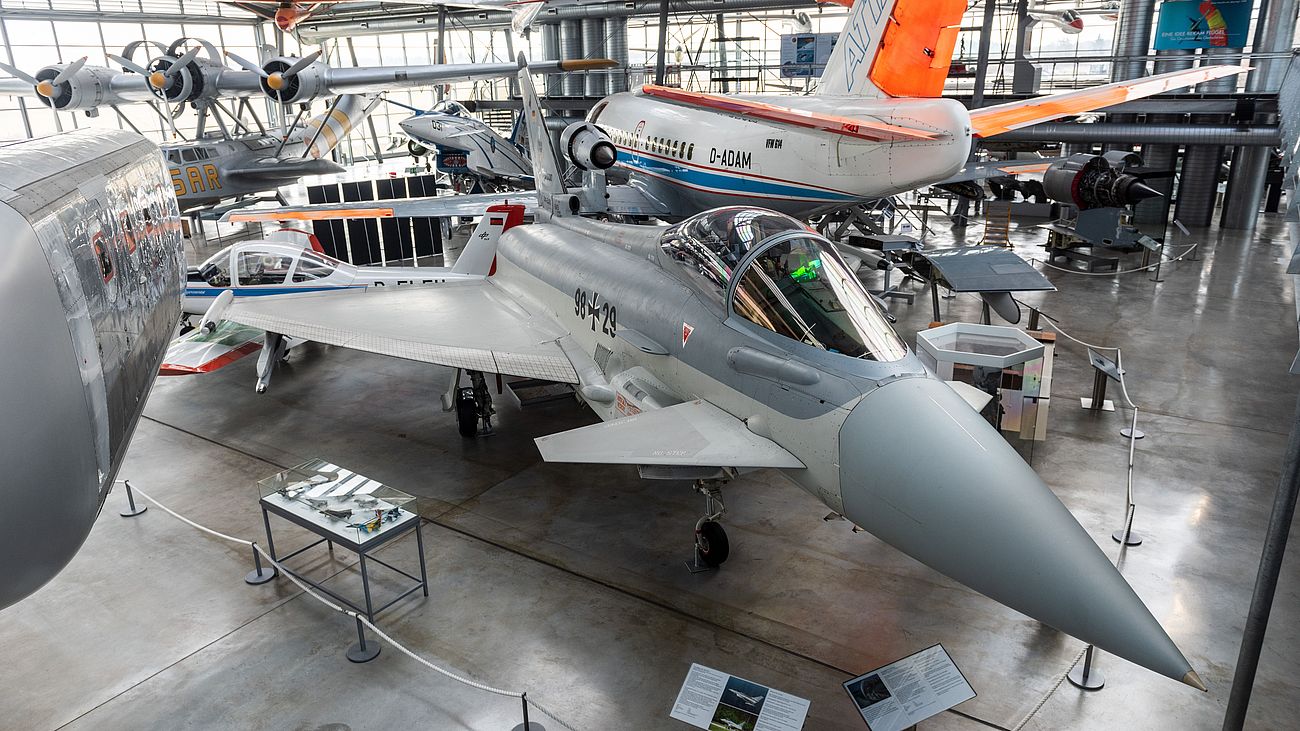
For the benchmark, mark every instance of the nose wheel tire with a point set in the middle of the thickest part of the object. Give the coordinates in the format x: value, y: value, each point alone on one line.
x: 711, y: 543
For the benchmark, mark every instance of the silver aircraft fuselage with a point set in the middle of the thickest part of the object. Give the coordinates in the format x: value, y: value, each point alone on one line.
x: 91, y: 273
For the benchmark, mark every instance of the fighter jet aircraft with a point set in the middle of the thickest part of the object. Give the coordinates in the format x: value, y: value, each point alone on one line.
x: 475, y: 148
x: 751, y: 700
x: 738, y: 340
x: 93, y: 265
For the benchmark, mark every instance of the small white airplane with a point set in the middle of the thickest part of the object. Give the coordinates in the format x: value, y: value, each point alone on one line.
x: 291, y: 262
x: 730, y: 724
x: 450, y: 129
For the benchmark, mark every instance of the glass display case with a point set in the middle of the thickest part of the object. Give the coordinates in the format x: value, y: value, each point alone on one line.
x: 334, y: 500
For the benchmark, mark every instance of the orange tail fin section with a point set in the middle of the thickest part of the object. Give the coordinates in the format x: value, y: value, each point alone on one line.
x: 916, y: 51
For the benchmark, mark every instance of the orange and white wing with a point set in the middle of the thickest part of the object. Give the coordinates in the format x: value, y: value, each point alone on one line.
x: 994, y: 120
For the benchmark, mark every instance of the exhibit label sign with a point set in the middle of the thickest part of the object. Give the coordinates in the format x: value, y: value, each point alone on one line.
x: 908, y: 691
x: 711, y: 699
x: 1196, y: 24
x: 806, y: 54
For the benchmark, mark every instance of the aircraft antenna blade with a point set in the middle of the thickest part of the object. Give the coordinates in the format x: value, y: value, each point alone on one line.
x: 70, y: 70
x: 21, y: 75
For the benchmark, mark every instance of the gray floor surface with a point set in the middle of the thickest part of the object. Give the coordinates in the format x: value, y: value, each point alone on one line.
x: 567, y: 581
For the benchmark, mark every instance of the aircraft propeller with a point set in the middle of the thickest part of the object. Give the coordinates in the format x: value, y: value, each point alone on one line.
x: 277, y: 81
x: 48, y: 88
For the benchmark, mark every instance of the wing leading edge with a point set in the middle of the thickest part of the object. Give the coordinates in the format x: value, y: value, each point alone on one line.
x: 470, y: 325
x: 999, y: 118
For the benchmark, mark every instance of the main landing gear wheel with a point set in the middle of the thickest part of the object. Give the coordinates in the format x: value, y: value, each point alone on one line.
x: 711, y: 543
x: 466, y: 413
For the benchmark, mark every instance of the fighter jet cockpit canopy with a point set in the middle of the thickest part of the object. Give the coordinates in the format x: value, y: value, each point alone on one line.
x: 796, y: 284
x: 452, y: 107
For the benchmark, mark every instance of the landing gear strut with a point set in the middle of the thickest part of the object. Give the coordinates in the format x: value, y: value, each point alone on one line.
x: 711, y: 546
x: 474, y: 408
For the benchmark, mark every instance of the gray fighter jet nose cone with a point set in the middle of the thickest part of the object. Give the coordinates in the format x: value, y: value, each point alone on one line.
x: 925, y: 473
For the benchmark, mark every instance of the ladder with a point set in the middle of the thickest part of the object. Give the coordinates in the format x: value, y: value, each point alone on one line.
x: 997, y: 223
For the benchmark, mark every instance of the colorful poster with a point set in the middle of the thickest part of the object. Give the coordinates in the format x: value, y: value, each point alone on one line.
x: 1203, y: 24
x: 805, y: 54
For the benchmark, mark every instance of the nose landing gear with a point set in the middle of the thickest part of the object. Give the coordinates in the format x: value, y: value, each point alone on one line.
x: 711, y: 545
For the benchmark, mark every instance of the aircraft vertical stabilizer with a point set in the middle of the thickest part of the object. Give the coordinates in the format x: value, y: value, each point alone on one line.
x: 548, y: 175
x: 893, y: 48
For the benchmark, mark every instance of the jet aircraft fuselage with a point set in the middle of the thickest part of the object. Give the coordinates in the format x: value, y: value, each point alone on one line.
x: 694, y: 158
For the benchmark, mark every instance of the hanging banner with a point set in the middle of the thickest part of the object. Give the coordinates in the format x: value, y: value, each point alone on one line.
x: 1197, y: 24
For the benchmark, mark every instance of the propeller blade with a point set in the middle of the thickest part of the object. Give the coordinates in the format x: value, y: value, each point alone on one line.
x: 129, y: 65
x: 18, y: 74
x: 70, y: 70
x: 302, y: 63
x: 248, y: 65
x: 183, y: 61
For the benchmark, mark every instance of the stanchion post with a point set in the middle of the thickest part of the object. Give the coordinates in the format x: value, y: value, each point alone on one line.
x: 1033, y: 319
x: 258, y: 575
x: 1085, y: 676
x: 1159, y: 260
x: 361, y: 651
x: 134, y: 510
x: 527, y: 725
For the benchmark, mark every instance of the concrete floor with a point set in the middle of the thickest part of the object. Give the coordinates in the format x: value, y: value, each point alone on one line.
x: 567, y: 580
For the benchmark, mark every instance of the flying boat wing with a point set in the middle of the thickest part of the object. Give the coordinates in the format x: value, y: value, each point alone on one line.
x: 690, y: 434
x: 999, y: 118
x: 371, y: 79
x: 859, y: 128
x: 472, y: 325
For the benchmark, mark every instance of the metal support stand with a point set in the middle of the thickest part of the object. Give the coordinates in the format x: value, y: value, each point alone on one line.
x: 1131, y: 433
x: 1098, y: 402
x: 134, y: 510
x: 1034, y: 314
x: 1155, y: 276
x: 527, y: 725
x: 362, y: 651
x: 1085, y: 676
x: 258, y: 575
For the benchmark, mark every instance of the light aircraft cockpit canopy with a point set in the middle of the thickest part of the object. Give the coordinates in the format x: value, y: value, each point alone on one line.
x: 795, y: 284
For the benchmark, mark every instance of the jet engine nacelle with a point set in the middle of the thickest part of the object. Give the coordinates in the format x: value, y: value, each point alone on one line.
x: 1097, y: 181
x: 302, y: 87
x: 588, y: 147
x: 88, y: 88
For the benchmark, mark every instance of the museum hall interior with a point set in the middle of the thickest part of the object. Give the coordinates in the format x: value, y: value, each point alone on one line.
x: 738, y: 365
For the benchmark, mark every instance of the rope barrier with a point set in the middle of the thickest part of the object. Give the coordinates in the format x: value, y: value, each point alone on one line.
x: 355, y: 616
x: 1146, y: 268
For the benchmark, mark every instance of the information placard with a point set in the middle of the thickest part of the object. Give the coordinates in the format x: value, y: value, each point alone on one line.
x: 806, y: 54
x: 908, y: 691
x: 711, y: 699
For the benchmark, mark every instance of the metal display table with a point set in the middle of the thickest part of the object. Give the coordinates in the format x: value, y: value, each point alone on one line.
x: 350, y: 510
